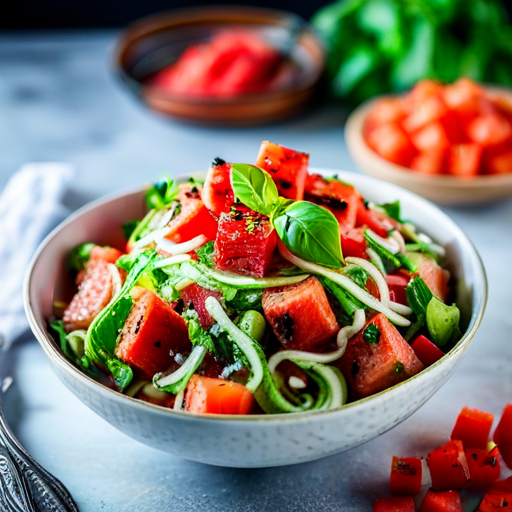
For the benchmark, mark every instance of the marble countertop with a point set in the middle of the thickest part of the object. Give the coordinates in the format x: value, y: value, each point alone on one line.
x: 60, y: 101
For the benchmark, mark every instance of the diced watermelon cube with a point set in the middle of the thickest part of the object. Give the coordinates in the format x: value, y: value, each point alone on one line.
x: 462, y: 94
x: 394, y: 504
x: 195, y: 296
x: 245, y: 242
x: 94, y: 293
x: 372, y: 366
x: 448, y: 467
x: 287, y: 167
x: 217, y: 192
x: 152, y: 334
x: 498, y: 162
x: 435, y: 277
x: 397, y: 281
x: 300, y: 315
x: 341, y: 199
x: 392, y: 143
x: 490, y: 130
x: 429, y: 163
x: 441, y: 501
x: 426, y: 351
x: 353, y: 243
x: 432, y: 137
x: 429, y: 110
x: 484, y: 467
x: 424, y: 90
x: 194, y: 218
x: 473, y: 427
x: 386, y: 110
x: 109, y: 254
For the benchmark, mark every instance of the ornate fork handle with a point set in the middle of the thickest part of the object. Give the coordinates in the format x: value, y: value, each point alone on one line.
x: 25, y: 486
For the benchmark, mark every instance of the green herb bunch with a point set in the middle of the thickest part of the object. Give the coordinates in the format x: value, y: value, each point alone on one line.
x: 377, y: 46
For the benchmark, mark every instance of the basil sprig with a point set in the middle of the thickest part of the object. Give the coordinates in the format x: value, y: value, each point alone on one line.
x: 306, y: 229
x: 255, y: 188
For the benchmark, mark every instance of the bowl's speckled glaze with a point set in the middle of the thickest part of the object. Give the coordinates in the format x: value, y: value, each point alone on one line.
x: 251, y: 441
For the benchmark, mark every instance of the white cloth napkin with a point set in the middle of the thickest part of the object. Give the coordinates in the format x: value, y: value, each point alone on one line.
x: 30, y: 206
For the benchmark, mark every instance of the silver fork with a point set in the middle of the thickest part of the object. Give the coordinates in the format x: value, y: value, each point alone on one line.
x: 25, y: 486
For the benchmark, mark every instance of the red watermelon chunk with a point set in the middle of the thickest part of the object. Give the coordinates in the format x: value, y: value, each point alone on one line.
x: 300, y: 315
x: 194, y: 218
x: 370, y: 367
x: 435, y: 277
x: 353, y: 243
x: 152, y: 334
x: 217, y: 192
x: 245, y: 242
x: 94, y: 293
x: 341, y: 199
x: 195, y: 296
x: 287, y: 167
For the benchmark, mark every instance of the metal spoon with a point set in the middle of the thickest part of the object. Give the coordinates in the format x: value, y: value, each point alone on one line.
x: 25, y: 486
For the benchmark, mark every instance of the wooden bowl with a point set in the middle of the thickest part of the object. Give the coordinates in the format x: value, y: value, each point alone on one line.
x: 444, y: 189
x: 157, y: 41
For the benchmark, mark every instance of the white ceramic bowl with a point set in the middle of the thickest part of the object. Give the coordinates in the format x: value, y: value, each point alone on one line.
x: 263, y: 440
x: 441, y: 188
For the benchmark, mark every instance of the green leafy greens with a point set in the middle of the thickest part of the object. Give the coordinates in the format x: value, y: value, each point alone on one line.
x: 79, y: 256
x: 443, y: 322
x: 377, y: 46
x: 100, y: 341
x: 162, y: 193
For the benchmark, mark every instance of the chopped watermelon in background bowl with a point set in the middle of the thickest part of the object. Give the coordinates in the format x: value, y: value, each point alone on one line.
x: 449, y: 143
x: 222, y: 65
x: 237, y: 439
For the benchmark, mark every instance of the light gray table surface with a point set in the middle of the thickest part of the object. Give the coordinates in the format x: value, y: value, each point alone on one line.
x: 59, y: 101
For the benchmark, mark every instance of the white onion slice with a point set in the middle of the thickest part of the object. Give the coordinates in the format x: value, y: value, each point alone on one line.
x: 151, y: 237
x: 401, y: 309
x: 388, y: 243
x: 183, y: 284
x: 346, y: 283
x: 178, y: 402
x: 375, y: 274
x: 350, y: 330
x: 173, y: 260
x: 377, y: 260
x: 174, y: 249
x: 397, y: 236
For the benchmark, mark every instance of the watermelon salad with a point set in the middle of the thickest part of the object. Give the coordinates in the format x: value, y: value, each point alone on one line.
x: 263, y: 289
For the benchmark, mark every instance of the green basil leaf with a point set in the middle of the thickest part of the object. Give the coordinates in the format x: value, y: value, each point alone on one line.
x: 372, y: 334
x: 129, y: 227
x: 418, y: 296
x: 162, y: 193
x: 311, y: 233
x: 392, y: 210
x: 206, y: 254
x: 358, y: 275
x: 254, y: 187
x: 79, y: 256
x: 443, y: 322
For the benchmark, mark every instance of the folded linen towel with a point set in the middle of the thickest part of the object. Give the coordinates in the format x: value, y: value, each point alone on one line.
x: 30, y: 206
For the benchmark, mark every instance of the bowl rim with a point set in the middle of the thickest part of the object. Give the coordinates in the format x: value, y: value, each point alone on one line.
x: 151, y: 23
x: 356, y: 142
x: 51, y: 349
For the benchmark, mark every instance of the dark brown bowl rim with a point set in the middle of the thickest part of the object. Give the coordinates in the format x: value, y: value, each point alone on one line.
x: 156, y: 22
